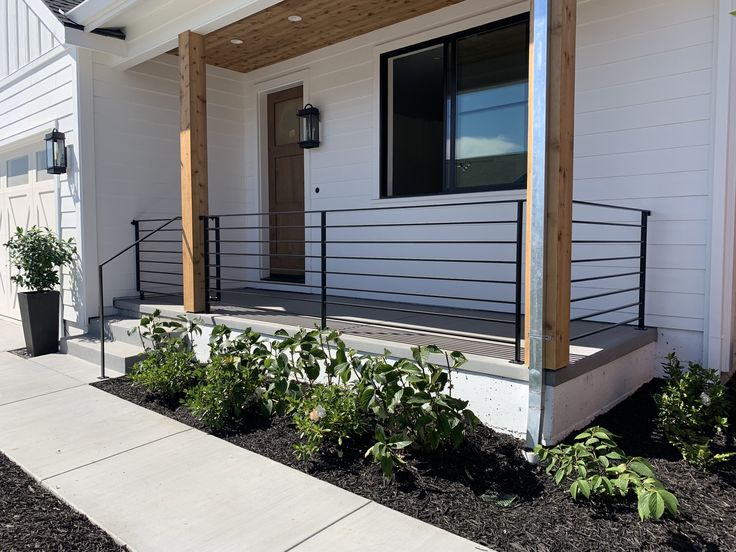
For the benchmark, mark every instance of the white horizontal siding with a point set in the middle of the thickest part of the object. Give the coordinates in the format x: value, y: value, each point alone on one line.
x: 643, y: 133
x: 23, y: 37
x: 29, y: 108
x: 136, y: 114
x: 643, y: 139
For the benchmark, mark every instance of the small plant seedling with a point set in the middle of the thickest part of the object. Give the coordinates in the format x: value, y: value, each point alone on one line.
x: 595, y: 464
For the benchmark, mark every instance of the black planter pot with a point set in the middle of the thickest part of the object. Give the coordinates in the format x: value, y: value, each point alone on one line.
x: 39, y: 311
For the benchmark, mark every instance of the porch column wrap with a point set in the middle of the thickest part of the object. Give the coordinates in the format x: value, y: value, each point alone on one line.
x: 193, y: 145
x: 550, y: 186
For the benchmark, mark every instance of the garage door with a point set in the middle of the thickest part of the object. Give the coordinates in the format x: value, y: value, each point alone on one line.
x: 26, y: 199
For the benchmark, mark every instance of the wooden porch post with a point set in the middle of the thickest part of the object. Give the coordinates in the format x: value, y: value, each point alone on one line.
x: 193, y: 144
x: 549, y: 195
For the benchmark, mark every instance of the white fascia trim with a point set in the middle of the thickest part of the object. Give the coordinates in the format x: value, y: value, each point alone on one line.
x: 91, y: 41
x: 87, y: 208
x: 94, y: 14
x: 213, y: 16
x: 48, y: 19
x: 718, y: 347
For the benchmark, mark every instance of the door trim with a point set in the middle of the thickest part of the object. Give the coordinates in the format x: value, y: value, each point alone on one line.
x: 261, y: 91
x: 290, y: 269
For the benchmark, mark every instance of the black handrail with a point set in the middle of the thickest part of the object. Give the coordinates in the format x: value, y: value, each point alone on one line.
x: 100, y: 278
x: 323, y: 221
x: 219, y: 239
x: 641, y: 255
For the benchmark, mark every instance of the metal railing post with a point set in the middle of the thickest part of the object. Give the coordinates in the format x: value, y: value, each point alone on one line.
x: 137, y: 236
x: 323, y: 268
x: 643, y: 269
x: 101, y: 313
x: 518, y: 284
x: 218, y: 264
x: 100, y: 286
x: 206, y: 235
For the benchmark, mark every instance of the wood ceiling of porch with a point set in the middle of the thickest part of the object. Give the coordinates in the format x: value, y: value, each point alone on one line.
x: 269, y: 37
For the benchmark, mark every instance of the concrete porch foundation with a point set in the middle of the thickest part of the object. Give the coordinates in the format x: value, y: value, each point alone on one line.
x: 604, y: 368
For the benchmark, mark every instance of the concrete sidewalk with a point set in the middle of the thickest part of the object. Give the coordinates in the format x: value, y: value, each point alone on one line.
x: 11, y: 335
x: 158, y: 485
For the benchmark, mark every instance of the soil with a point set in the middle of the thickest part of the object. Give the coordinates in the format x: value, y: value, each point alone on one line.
x: 22, y: 353
x: 468, y: 491
x: 31, y: 518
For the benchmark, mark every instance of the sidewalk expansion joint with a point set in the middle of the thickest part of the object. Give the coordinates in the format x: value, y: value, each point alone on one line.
x: 63, y: 373
x: 47, y: 478
x: 44, y: 394
x: 331, y: 524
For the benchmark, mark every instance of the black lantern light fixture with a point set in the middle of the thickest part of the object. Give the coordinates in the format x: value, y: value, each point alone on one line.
x: 55, y: 152
x: 308, y: 127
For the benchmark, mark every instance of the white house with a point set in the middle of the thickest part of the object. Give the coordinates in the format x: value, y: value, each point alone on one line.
x: 439, y: 158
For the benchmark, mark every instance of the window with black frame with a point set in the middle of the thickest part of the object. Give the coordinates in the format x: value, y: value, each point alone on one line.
x: 454, y: 112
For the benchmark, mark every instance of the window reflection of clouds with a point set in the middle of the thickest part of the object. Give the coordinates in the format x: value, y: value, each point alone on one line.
x: 492, y: 121
x: 457, y: 113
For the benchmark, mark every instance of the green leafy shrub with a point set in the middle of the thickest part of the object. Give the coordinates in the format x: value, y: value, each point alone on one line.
x: 37, y: 254
x: 228, y: 387
x: 168, y: 374
x: 412, y: 401
x: 233, y: 381
x: 693, y: 410
x: 170, y: 368
x: 328, y: 413
x: 387, y: 450
x: 596, y: 465
x: 156, y: 333
x: 301, y: 353
x: 404, y: 403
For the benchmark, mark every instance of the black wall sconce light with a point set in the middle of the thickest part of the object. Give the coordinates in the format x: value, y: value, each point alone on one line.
x: 55, y: 152
x: 308, y: 127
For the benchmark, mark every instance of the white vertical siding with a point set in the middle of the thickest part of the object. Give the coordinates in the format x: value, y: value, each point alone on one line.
x: 23, y: 36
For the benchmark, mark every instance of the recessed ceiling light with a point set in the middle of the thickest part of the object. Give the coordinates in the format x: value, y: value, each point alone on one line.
x: 294, y: 18
x: 236, y: 41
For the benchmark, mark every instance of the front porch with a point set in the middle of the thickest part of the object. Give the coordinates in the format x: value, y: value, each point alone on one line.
x: 605, y: 364
x: 447, y: 274
x: 505, y: 85
x: 394, y: 278
x: 381, y: 234
x: 486, y: 337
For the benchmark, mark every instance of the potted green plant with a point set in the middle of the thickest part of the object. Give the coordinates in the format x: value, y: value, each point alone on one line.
x: 38, y: 256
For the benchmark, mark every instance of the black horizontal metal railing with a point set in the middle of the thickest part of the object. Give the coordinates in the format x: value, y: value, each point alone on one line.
x: 619, y: 234
x: 138, y: 240
x: 341, y: 268
x: 158, y: 258
x: 338, y: 270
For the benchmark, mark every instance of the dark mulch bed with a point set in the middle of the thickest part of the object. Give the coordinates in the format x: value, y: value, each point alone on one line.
x: 31, y: 518
x: 22, y: 353
x: 447, y: 490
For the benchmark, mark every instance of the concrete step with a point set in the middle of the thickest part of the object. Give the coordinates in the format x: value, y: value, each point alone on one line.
x: 116, y: 329
x: 131, y: 309
x: 118, y: 356
x: 111, y: 311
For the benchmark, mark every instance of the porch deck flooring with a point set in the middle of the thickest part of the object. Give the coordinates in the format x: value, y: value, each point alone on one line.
x: 476, y: 332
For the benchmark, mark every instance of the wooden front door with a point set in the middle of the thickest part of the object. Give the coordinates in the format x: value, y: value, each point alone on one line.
x: 285, y: 187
